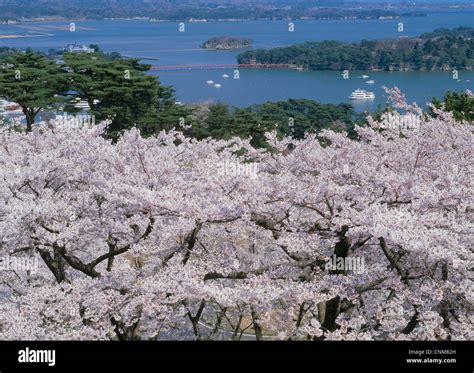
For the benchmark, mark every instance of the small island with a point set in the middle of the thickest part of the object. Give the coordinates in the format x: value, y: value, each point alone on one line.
x: 226, y: 43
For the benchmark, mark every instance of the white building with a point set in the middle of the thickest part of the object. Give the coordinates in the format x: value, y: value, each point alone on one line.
x: 77, y: 48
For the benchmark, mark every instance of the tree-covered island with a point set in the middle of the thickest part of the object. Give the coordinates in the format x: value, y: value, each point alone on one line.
x: 226, y: 42
x: 442, y: 49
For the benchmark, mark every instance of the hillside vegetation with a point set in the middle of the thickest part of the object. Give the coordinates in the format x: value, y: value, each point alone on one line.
x: 440, y: 50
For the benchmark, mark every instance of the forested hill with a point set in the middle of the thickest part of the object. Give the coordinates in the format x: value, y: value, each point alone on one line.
x: 441, y: 49
x: 186, y: 10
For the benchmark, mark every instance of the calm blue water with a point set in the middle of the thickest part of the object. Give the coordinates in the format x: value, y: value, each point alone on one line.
x: 164, y: 41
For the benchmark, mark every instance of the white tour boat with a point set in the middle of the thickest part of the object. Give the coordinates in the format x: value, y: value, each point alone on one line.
x: 360, y: 94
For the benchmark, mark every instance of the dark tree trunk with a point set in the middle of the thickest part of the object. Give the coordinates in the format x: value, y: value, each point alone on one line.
x: 332, y: 310
x: 55, y: 264
x: 342, y: 249
x: 256, y: 325
x: 30, y: 119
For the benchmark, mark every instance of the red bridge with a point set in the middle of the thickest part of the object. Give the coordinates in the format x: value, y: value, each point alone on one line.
x: 223, y: 66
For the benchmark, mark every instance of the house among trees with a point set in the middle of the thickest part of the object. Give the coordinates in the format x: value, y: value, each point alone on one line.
x: 77, y: 48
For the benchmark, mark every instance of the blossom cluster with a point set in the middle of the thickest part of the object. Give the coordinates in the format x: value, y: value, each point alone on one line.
x: 146, y: 238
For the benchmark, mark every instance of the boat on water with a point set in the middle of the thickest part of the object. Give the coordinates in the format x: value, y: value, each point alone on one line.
x: 365, y: 76
x: 225, y: 76
x: 370, y: 81
x: 217, y: 85
x: 210, y: 82
x: 360, y: 94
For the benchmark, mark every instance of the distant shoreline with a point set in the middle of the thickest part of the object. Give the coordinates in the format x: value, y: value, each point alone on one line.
x: 204, y: 20
x: 25, y: 36
x: 399, y: 16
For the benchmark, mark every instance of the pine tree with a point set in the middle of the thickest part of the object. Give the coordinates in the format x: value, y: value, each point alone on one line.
x: 33, y: 82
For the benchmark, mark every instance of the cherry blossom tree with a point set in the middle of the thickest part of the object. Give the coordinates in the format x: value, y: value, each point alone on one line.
x: 172, y: 238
